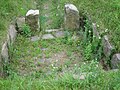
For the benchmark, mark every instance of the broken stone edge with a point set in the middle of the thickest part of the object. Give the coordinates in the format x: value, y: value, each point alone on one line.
x: 108, y: 49
x: 4, y: 55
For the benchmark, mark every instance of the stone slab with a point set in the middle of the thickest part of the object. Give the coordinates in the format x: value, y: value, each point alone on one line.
x: 48, y: 36
x: 35, y: 38
x: 59, y: 34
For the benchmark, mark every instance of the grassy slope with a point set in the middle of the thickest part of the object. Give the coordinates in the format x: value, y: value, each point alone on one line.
x: 8, y: 11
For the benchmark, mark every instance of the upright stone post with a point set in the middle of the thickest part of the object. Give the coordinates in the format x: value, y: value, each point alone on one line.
x: 115, y: 61
x: 32, y: 19
x: 71, y: 19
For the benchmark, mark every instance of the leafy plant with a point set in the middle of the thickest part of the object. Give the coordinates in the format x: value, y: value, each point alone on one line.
x: 26, y: 30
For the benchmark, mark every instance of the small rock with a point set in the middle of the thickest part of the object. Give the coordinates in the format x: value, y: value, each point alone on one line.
x: 115, y: 62
x: 59, y: 34
x: 48, y: 36
x: 43, y: 49
x: 35, y: 38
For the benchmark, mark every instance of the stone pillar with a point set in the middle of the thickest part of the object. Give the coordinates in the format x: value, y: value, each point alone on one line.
x: 115, y: 62
x: 71, y: 19
x: 32, y: 19
x: 107, y: 47
x: 4, y: 59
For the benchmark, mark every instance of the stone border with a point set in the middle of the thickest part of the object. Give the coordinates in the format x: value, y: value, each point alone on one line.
x: 108, y: 49
x: 4, y: 55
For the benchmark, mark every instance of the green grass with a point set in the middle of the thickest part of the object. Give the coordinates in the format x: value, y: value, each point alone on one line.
x: 24, y: 52
x: 98, y: 79
x: 9, y: 11
x: 106, y: 14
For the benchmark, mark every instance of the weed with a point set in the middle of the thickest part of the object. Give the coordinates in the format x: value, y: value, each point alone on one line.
x: 26, y: 31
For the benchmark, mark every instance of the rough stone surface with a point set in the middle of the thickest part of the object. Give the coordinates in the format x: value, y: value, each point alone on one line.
x: 115, y: 62
x: 4, y: 53
x: 35, y: 38
x: 32, y: 19
x: 71, y: 19
x: 95, y: 32
x: 12, y: 33
x: 59, y: 34
x: 20, y: 22
x: 48, y: 36
x: 107, y: 47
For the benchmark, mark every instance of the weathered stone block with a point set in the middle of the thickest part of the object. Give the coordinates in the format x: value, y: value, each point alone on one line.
x: 12, y: 33
x: 4, y: 53
x: 20, y: 22
x: 115, y: 61
x: 107, y: 47
x: 32, y: 19
x: 71, y: 19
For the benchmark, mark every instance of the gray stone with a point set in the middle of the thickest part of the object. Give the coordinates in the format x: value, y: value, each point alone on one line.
x: 32, y: 19
x: 4, y: 53
x: 95, y: 32
x: 44, y: 49
x: 48, y: 36
x: 107, y: 47
x: 20, y: 22
x: 71, y: 19
x: 115, y: 61
x: 59, y: 34
x: 35, y: 38
x: 81, y: 77
x: 12, y: 33
x: 53, y: 30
